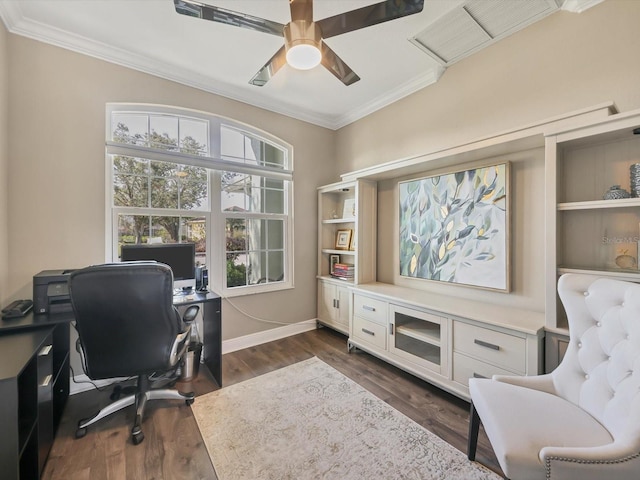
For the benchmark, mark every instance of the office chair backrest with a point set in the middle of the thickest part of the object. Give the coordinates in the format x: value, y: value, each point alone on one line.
x: 125, y: 317
x: 600, y: 371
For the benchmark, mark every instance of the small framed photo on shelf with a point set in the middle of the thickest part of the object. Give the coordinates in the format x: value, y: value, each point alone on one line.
x: 352, y: 242
x: 333, y: 259
x: 349, y: 208
x: 343, y: 239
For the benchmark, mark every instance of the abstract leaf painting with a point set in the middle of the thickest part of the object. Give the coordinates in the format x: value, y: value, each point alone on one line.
x: 455, y: 227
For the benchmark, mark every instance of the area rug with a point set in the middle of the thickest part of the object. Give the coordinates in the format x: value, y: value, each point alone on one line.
x: 308, y: 421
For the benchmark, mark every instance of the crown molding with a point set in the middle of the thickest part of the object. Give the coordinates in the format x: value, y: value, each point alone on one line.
x: 403, y: 90
x: 18, y: 24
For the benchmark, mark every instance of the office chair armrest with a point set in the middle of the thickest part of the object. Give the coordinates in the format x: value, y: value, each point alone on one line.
x: 190, y: 314
x: 179, y: 346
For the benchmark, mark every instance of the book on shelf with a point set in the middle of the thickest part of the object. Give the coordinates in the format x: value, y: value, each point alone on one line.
x: 343, y: 271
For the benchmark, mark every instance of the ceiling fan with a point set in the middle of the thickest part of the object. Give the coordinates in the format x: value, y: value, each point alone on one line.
x: 303, y: 38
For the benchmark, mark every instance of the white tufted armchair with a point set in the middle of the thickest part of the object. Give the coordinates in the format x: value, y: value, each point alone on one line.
x: 582, y: 421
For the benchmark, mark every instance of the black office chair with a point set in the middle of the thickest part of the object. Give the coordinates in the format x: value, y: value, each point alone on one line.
x: 127, y: 326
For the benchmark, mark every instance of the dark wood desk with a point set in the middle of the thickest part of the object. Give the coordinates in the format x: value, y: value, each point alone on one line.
x: 22, y: 340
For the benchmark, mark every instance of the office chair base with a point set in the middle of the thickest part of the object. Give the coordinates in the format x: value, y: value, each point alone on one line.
x: 136, y: 432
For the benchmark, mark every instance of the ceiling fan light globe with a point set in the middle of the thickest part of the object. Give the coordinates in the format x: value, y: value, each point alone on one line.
x: 304, y: 56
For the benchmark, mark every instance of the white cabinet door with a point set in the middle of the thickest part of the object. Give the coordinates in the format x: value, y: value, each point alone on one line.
x: 333, y: 305
x: 326, y: 302
x: 342, y: 315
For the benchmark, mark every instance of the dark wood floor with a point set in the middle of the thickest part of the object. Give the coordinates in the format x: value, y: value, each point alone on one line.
x: 173, y: 448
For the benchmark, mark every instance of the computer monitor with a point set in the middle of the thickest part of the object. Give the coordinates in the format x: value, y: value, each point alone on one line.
x: 181, y: 257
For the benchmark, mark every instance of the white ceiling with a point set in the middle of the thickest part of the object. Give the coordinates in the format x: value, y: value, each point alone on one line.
x: 149, y: 35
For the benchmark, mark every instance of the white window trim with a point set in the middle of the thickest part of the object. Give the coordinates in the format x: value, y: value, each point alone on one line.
x: 216, y: 218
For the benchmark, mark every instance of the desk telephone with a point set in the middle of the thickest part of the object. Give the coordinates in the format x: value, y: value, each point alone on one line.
x: 17, y: 308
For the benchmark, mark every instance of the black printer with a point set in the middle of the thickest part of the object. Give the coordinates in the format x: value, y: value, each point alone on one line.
x: 51, y: 291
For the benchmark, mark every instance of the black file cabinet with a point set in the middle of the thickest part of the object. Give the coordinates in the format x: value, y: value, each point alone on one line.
x: 34, y: 387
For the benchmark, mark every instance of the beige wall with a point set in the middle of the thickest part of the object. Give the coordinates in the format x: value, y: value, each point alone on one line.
x: 4, y: 166
x: 57, y: 187
x: 564, y: 63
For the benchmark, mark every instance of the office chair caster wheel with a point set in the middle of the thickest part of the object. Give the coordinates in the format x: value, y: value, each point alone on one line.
x: 137, y: 438
x: 189, y: 401
x: 81, y: 432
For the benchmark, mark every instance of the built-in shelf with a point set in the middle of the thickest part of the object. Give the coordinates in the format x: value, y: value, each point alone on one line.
x: 620, y: 274
x: 339, y: 220
x: 423, y: 331
x: 338, y: 252
x: 597, y: 204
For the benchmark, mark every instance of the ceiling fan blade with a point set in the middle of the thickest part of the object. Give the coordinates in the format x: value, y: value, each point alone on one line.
x: 335, y: 65
x: 270, y: 68
x: 228, y: 17
x: 301, y: 10
x: 367, y: 16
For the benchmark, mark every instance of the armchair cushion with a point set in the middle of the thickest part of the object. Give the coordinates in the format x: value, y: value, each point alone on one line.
x: 521, y: 421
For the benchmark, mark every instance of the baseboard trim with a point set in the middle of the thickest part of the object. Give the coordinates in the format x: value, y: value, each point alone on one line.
x: 270, y: 335
x: 82, y: 383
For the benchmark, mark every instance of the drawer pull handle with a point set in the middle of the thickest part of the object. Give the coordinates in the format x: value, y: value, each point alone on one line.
x: 47, y: 381
x: 486, y: 344
x: 45, y: 351
x: 367, y: 307
x: 368, y: 332
x: 477, y: 375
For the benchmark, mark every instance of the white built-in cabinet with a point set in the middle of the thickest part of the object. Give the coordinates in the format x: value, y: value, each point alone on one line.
x: 333, y: 305
x: 346, y: 206
x: 447, y: 340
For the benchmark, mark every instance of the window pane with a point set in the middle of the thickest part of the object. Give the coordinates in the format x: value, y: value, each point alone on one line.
x: 273, y: 156
x: 231, y: 143
x: 194, y: 195
x: 194, y: 230
x: 194, y: 136
x: 275, y: 262
x: 123, y: 164
x: 236, y: 235
x: 164, y: 230
x: 236, y: 270
x: 130, y: 191
x: 130, y: 128
x: 274, y: 201
x: 255, y: 239
x: 233, y: 195
x: 164, y: 193
x: 275, y: 232
x: 132, y: 229
x: 164, y: 132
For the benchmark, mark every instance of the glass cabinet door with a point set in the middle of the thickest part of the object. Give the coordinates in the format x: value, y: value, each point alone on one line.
x: 420, y: 337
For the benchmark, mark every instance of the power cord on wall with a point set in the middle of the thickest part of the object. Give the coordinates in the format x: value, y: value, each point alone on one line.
x: 253, y: 317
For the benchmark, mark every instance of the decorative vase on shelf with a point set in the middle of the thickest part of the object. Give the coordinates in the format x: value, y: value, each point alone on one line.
x: 634, y: 179
x: 616, y: 193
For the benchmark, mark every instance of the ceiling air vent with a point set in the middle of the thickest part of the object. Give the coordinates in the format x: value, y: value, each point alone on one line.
x: 477, y: 24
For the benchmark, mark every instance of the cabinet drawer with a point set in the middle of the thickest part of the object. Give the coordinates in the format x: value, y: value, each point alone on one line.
x: 370, y: 308
x: 370, y: 332
x: 501, y: 349
x: 465, y: 368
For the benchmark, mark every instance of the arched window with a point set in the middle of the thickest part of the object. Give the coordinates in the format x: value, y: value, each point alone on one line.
x: 178, y: 175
